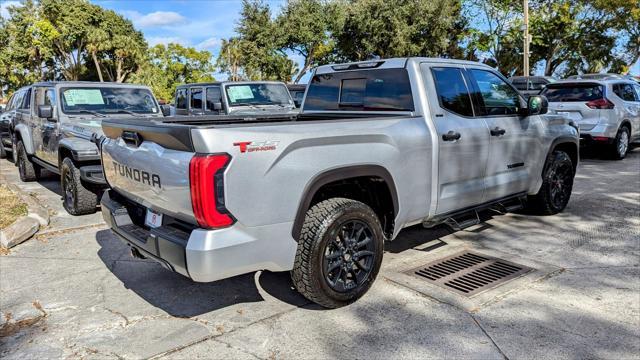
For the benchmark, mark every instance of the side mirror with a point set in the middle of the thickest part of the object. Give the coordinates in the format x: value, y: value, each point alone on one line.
x: 297, y: 103
x: 217, y: 106
x: 537, y: 105
x: 45, y: 112
x: 166, y: 110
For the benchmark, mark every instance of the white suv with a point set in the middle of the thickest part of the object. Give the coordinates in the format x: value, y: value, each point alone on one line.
x: 607, y: 111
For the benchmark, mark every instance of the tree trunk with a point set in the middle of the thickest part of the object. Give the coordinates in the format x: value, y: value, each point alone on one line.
x: 97, y: 63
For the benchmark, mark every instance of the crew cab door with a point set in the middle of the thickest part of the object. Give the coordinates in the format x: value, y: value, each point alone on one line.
x: 49, y: 128
x: 25, y: 115
x: 512, y: 136
x: 463, y: 139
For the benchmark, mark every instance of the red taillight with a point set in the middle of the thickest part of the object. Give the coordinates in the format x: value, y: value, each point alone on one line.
x: 600, y: 104
x: 206, y: 177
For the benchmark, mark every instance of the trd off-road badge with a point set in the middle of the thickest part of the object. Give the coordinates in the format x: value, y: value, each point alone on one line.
x: 252, y: 146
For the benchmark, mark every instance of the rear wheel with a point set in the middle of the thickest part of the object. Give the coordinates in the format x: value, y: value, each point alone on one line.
x: 28, y: 171
x: 339, y: 252
x: 77, y: 199
x: 620, y: 144
x: 557, y: 183
x: 3, y: 152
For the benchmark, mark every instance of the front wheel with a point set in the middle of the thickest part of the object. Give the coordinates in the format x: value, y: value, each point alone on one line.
x: 28, y: 171
x: 78, y: 200
x: 339, y: 252
x: 557, y: 183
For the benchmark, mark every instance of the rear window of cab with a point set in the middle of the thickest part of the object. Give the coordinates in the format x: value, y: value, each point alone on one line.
x: 573, y: 92
x: 361, y: 90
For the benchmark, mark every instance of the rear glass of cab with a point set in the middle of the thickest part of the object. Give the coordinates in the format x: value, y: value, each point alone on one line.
x: 362, y: 90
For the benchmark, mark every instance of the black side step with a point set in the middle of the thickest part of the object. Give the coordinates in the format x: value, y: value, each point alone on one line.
x: 45, y: 165
x: 464, y: 218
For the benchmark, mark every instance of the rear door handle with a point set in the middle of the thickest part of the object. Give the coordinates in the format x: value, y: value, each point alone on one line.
x: 498, y: 131
x: 451, y: 136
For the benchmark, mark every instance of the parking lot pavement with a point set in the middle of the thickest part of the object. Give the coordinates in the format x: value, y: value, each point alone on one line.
x: 80, y: 295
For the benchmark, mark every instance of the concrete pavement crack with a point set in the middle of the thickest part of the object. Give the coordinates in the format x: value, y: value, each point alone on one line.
x: 488, y: 336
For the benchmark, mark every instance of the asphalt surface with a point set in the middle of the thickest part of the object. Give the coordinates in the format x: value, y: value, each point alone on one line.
x: 75, y: 292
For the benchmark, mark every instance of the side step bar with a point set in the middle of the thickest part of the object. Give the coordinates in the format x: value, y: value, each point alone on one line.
x: 465, y: 218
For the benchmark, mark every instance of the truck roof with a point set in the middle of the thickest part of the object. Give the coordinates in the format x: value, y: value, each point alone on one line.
x: 84, y: 84
x: 392, y: 63
x: 218, y: 83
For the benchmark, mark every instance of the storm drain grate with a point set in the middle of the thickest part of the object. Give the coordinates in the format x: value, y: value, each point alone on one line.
x: 468, y: 273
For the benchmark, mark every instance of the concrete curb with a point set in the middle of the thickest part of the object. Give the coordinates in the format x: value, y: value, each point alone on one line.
x: 26, y: 226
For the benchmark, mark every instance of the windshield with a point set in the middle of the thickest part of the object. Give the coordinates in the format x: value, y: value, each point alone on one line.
x: 258, y: 94
x: 108, y: 100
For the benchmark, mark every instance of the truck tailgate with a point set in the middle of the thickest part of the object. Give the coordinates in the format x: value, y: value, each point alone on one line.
x: 151, y: 175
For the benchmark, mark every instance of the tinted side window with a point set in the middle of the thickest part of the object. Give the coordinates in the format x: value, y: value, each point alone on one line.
x: 520, y: 84
x: 498, y: 98
x: 625, y: 92
x: 181, y: 98
x: 26, y: 102
x: 637, y: 87
x: 196, y: 98
x: 45, y: 96
x: 537, y: 85
x: 213, y: 96
x: 375, y: 90
x: 572, y: 92
x: 453, y: 93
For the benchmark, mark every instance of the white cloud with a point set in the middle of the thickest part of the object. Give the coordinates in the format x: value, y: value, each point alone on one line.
x: 208, y: 44
x: 155, y: 19
x: 4, y: 7
x: 155, y: 40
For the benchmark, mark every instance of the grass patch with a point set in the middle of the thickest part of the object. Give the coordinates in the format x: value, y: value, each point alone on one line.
x: 11, y: 207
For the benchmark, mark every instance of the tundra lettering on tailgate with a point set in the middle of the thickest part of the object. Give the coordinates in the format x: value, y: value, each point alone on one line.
x: 138, y: 175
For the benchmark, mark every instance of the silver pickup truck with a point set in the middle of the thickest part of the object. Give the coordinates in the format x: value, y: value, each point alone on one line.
x: 378, y: 146
x: 52, y: 129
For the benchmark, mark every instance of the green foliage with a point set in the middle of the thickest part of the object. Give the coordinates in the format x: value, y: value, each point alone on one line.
x: 568, y: 36
x: 304, y: 27
x: 169, y: 66
x: 391, y: 28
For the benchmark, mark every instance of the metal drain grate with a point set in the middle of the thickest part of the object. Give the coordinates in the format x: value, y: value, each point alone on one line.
x: 468, y: 273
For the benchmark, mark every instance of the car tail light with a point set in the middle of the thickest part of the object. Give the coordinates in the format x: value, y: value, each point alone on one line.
x: 206, y: 178
x: 600, y: 104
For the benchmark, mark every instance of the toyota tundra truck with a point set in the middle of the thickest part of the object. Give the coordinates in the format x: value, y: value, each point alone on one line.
x: 378, y: 146
x: 54, y: 123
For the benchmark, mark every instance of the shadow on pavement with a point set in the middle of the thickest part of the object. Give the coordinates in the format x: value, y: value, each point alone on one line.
x: 180, y: 296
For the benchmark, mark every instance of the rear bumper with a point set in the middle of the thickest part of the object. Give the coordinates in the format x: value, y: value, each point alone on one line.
x: 204, y: 255
x: 589, y: 140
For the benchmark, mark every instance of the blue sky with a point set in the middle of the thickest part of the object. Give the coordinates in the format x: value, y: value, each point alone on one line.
x: 198, y: 23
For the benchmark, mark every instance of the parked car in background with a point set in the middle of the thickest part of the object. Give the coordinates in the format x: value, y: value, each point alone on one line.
x: 604, y: 76
x: 607, y: 111
x: 54, y: 124
x: 531, y: 85
x: 378, y: 146
x: 228, y: 97
x: 297, y: 93
x: 6, y: 124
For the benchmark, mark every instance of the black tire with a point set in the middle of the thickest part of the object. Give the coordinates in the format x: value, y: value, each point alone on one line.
x: 28, y: 171
x: 339, y: 252
x: 76, y: 198
x: 3, y: 152
x: 620, y: 146
x: 14, y: 153
x: 557, y: 184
